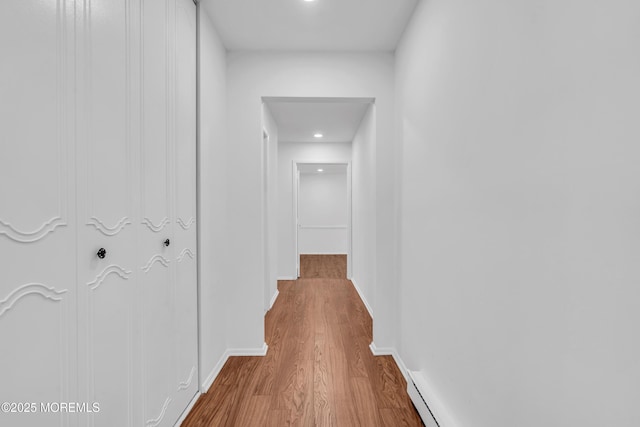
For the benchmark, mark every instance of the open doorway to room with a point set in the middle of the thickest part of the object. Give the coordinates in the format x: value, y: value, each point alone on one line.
x: 303, y: 135
x: 322, y: 212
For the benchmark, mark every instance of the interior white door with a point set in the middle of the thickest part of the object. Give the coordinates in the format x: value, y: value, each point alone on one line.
x: 37, y: 210
x: 185, y: 382
x: 156, y: 176
x: 107, y: 184
x: 98, y: 289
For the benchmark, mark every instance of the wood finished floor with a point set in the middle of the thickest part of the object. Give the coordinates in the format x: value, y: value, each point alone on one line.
x: 323, y: 266
x: 318, y: 371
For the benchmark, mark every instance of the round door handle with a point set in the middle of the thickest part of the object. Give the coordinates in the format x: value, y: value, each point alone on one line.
x: 167, y: 242
x: 102, y: 252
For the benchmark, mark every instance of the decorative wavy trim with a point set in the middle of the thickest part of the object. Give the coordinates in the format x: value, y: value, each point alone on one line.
x: 185, y: 252
x: 154, y: 422
x: 185, y: 385
x: 30, y: 288
x: 186, y: 225
x: 109, y: 231
x: 112, y: 269
x: 156, y: 258
x: 31, y: 236
x: 155, y: 228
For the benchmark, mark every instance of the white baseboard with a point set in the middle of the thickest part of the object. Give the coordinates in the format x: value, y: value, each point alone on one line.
x: 249, y: 351
x: 273, y: 299
x: 287, y: 278
x: 364, y: 300
x: 390, y: 351
x: 214, y: 372
x: 324, y: 253
x: 435, y: 405
x: 427, y: 401
x: 223, y: 359
x: 187, y: 410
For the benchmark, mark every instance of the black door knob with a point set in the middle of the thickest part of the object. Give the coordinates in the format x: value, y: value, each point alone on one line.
x: 102, y: 252
x: 167, y: 242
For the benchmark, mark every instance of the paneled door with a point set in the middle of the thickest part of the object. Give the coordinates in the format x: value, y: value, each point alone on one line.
x: 108, y: 273
x: 156, y: 242
x: 37, y: 211
x: 186, y: 295
x: 98, y: 277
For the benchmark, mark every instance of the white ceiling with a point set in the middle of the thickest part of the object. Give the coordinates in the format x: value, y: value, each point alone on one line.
x: 298, y: 120
x: 327, y: 168
x: 321, y: 25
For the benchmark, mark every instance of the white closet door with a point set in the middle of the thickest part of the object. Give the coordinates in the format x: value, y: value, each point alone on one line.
x: 185, y: 321
x: 37, y: 209
x: 157, y: 171
x: 108, y: 87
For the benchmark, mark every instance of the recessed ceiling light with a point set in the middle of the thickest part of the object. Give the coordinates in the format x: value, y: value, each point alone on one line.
x: 309, y: 1
x: 320, y: 170
x: 317, y: 135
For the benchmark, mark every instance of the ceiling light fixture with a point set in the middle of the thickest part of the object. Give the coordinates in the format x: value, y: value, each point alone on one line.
x: 320, y: 170
x: 317, y: 135
x: 309, y: 1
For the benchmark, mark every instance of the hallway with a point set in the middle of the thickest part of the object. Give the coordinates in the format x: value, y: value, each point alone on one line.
x: 318, y: 370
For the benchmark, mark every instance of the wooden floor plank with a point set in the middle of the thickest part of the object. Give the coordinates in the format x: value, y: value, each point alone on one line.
x: 318, y: 371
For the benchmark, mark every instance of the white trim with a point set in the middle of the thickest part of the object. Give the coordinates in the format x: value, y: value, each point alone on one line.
x: 364, y: 300
x: 249, y: 351
x: 273, y: 299
x: 428, y: 402
x: 204, y: 388
x: 324, y: 253
x: 438, y: 410
x: 390, y: 351
x: 323, y: 227
x: 223, y: 359
x: 287, y: 278
x: 186, y: 411
x: 297, y: 226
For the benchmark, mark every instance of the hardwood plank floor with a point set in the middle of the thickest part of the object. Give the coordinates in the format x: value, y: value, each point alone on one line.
x: 318, y: 371
x: 323, y: 266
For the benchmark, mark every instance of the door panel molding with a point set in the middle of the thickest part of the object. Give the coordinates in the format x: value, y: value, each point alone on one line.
x: 20, y: 292
x: 185, y: 252
x: 186, y: 225
x: 185, y: 384
x: 156, y: 259
x: 31, y: 236
x: 106, y: 230
x: 155, y: 228
x: 155, y: 421
x: 112, y: 269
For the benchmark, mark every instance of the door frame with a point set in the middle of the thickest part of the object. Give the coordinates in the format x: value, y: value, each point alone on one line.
x: 266, y: 236
x: 296, y: 218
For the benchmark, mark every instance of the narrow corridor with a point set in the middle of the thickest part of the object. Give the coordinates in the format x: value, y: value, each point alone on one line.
x: 318, y: 371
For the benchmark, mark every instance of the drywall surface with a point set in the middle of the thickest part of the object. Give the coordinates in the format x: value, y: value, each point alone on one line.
x: 213, y: 183
x: 364, y: 209
x: 271, y: 151
x: 323, y: 213
x: 288, y: 153
x: 252, y: 76
x: 520, y: 209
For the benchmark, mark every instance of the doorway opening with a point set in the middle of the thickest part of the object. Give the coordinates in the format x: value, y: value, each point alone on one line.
x: 322, y: 211
x: 299, y: 137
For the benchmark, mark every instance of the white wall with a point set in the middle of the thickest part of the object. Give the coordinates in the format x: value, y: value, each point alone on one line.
x: 520, y: 209
x: 288, y: 153
x: 213, y: 186
x: 364, y: 209
x: 252, y: 76
x: 323, y: 213
x: 271, y: 151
